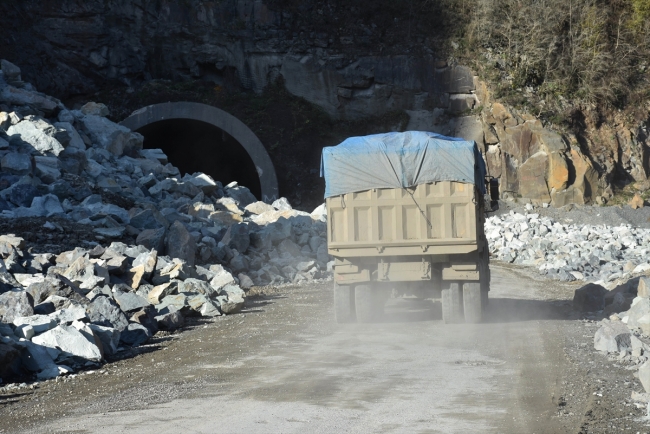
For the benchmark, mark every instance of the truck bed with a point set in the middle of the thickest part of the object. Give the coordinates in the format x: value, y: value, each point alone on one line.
x: 430, y: 219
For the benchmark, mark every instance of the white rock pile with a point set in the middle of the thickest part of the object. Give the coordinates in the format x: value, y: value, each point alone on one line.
x: 625, y: 336
x: 569, y: 252
x: 198, y: 246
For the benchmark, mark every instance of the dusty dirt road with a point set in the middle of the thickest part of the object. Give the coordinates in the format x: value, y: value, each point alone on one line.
x: 284, y: 366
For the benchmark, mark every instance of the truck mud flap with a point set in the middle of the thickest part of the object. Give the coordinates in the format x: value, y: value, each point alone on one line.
x: 348, y: 278
x: 450, y: 274
x: 403, y: 271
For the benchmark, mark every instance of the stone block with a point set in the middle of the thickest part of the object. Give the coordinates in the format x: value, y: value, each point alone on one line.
x: 129, y: 301
x: 17, y: 164
x: 135, y: 334
x: 589, y: 298
x: 643, y: 290
x: 237, y: 237
x: 15, y: 303
x: 105, y: 312
x: 40, y: 323
x: 180, y: 244
x: 159, y: 292
x: 612, y: 336
x: 71, y: 342
x: 110, y: 136
x: 152, y: 239
x: 93, y: 108
x: 38, y: 133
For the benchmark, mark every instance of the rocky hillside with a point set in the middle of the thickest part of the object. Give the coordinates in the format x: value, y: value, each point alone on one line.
x: 539, y: 137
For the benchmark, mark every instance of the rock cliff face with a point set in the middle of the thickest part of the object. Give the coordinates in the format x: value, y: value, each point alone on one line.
x: 76, y: 46
x: 350, y: 68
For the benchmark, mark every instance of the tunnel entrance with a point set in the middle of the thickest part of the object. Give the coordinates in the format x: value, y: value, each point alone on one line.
x: 201, y: 138
x: 196, y: 146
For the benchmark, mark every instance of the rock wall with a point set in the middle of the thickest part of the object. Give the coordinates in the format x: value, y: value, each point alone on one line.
x: 535, y: 164
x: 78, y: 46
x: 348, y: 68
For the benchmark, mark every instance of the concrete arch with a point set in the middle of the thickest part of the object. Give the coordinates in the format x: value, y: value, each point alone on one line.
x: 220, y: 119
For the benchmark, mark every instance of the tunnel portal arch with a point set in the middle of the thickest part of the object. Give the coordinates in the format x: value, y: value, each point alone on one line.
x: 220, y: 119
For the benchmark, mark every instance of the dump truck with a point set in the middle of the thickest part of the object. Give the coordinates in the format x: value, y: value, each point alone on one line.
x: 405, y: 217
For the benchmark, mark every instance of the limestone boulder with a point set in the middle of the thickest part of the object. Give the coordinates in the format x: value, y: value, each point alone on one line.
x: 204, y: 182
x: 643, y: 290
x: 16, y: 163
x: 110, y: 136
x: 259, y: 207
x: 237, y: 237
x: 39, y: 134
x: 180, y: 244
x: 152, y: 239
x: 589, y: 298
x: 231, y: 299
x: 15, y: 303
x: 74, y: 139
x: 93, y: 108
x: 170, y: 320
x: 129, y: 301
x: 639, y: 313
x: 47, y: 168
x: 109, y: 337
x: 24, y: 97
x: 135, y: 334
x: 161, y: 291
x: 70, y: 342
x: 105, y: 312
x: 612, y: 336
x: 40, y: 323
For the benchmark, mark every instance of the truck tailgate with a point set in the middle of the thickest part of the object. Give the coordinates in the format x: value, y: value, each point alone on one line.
x: 436, y: 218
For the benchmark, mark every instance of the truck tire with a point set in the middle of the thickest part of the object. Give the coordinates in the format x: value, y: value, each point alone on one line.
x: 472, y: 302
x: 343, y: 303
x: 485, y: 284
x: 366, y: 303
x: 451, y: 304
x: 484, y: 299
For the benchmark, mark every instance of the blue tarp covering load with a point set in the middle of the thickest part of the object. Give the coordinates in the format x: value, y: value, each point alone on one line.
x: 400, y: 160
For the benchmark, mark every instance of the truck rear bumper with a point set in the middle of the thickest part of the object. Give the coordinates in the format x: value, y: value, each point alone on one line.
x: 357, y: 251
x: 407, y: 269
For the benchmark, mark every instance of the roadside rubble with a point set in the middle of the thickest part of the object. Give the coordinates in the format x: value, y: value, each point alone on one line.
x: 624, y: 336
x: 198, y: 246
x: 570, y: 252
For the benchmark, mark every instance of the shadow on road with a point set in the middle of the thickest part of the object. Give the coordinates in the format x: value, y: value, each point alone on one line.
x: 499, y: 310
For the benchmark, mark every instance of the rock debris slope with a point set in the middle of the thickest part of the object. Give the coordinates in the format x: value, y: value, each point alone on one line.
x: 594, y: 253
x: 199, y: 244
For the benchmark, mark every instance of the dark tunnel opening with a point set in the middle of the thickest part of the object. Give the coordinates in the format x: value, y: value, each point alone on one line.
x: 196, y: 146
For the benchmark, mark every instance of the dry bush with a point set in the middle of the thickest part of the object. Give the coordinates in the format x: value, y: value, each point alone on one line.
x: 590, y: 52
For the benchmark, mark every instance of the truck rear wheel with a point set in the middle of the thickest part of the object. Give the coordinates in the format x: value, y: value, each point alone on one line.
x: 472, y: 302
x: 367, y: 304
x: 451, y: 304
x: 485, y: 284
x: 343, y: 303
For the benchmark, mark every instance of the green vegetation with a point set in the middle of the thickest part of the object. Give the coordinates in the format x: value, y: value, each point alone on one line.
x: 555, y: 56
x: 548, y: 57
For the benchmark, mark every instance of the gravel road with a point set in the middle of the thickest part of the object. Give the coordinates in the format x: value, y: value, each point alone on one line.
x: 285, y: 366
